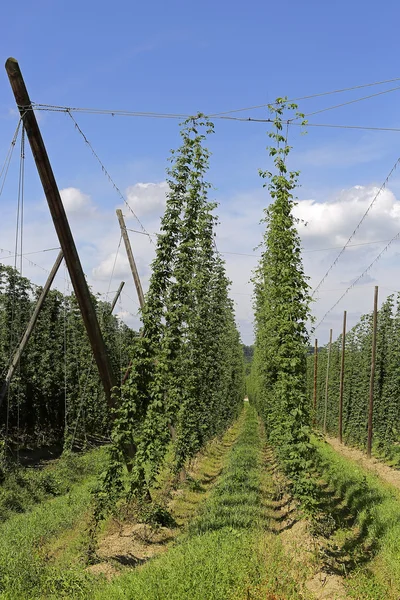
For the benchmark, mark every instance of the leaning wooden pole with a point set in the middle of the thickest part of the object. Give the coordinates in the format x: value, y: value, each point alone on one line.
x: 341, y: 386
x: 129, y: 252
x: 29, y: 329
x: 315, y: 382
x: 61, y: 225
x: 327, y: 380
x: 372, y: 378
x: 117, y: 295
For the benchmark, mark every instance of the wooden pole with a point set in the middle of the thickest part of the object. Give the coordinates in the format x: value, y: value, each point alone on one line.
x: 372, y: 378
x: 327, y: 380
x: 30, y: 327
x: 315, y: 382
x: 129, y: 252
x: 117, y: 295
x: 62, y: 226
x: 342, y: 378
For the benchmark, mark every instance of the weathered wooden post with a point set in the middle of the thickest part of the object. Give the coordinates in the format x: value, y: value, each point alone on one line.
x: 129, y: 252
x: 327, y: 380
x: 315, y: 382
x: 61, y: 225
x: 117, y: 295
x: 372, y: 378
x: 342, y: 378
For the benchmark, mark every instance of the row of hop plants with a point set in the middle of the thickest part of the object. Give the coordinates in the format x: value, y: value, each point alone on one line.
x: 277, y: 383
x: 186, y: 382
x: 358, y: 350
x: 56, y: 393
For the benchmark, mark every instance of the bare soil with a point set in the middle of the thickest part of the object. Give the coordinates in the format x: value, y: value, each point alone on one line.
x: 298, y: 543
x: 130, y: 544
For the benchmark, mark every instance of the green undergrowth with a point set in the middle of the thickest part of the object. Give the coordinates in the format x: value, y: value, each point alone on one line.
x: 363, y: 523
x: 25, y: 569
x: 227, y: 552
x: 22, y: 488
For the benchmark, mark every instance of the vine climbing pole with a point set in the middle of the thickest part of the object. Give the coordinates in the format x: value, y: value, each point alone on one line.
x: 372, y: 377
x: 327, y: 379
x: 315, y: 383
x: 61, y: 225
x: 131, y: 259
x: 341, y: 385
x: 134, y: 270
x: 117, y: 295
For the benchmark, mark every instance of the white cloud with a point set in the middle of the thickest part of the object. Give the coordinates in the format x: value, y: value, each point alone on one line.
x: 147, y: 198
x: 332, y: 222
x: 75, y: 201
x: 119, y: 267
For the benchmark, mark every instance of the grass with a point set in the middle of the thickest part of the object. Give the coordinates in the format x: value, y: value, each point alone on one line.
x: 227, y: 552
x: 23, y: 488
x: 25, y: 569
x: 365, y: 542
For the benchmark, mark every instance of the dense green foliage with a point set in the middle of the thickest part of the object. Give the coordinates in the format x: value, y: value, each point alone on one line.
x: 56, y: 391
x: 281, y: 303
x: 186, y: 382
x: 386, y: 417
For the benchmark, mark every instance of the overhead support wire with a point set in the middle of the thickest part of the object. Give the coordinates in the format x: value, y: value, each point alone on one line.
x: 383, y: 186
x: 317, y: 112
x: 339, y: 91
x: 355, y: 281
x: 107, y: 174
x: 6, y: 164
x: 69, y: 110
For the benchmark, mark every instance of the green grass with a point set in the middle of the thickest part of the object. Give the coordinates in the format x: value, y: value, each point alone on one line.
x: 227, y: 552
x: 23, y: 488
x: 367, y: 516
x: 25, y: 569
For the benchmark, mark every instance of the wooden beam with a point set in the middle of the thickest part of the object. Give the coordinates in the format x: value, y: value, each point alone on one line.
x: 129, y: 252
x: 62, y: 226
x: 117, y: 295
x: 327, y: 379
x: 372, y: 377
x: 341, y: 386
x: 30, y: 327
x: 315, y: 382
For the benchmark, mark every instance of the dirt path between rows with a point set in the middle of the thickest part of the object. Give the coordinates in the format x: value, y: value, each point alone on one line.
x: 386, y: 473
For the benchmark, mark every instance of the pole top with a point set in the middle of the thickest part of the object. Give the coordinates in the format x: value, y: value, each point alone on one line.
x: 11, y: 63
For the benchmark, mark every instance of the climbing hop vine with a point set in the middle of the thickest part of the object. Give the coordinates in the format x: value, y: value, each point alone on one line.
x: 186, y: 381
x: 281, y: 304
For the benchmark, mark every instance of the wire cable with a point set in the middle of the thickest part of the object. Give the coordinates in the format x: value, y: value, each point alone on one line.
x: 6, y: 164
x: 383, y: 186
x: 67, y: 109
x: 113, y: 269
x: 317, y: 112
x: 339, y: 91
x: 107, y: 174
x: 355, y: 281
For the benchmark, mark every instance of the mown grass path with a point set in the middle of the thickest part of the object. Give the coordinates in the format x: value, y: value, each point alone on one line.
x: 230, y: 550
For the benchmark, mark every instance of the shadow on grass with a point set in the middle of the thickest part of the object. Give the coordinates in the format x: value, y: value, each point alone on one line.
x: 351, y: 517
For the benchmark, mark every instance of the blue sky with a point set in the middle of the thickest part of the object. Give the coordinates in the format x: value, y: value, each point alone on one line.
x: 181, y: 57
